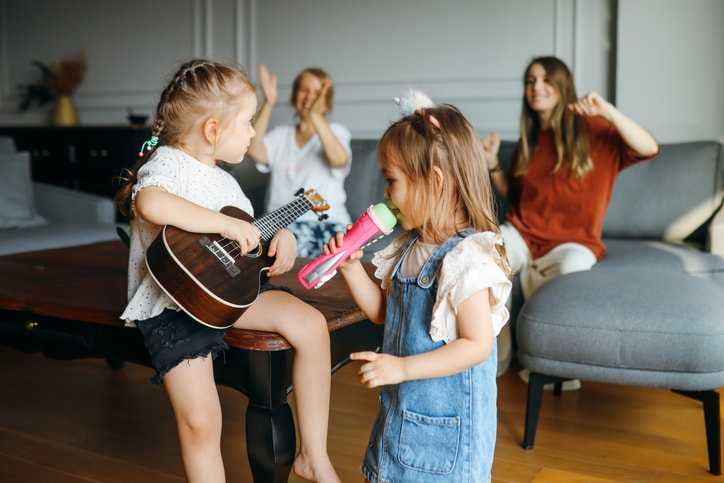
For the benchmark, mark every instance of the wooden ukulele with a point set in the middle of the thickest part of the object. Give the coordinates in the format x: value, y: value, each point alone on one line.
x: 208, y: 276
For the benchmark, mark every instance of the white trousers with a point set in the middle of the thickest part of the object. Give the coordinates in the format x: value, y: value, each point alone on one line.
x: 565, y: 258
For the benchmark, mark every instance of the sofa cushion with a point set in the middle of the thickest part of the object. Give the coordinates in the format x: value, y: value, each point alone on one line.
x: 17, y: 200
x: 654, y: 329
x: 683, y: 189
x: 653, y: 255
x: 7, y: 145
x: 55, y: 235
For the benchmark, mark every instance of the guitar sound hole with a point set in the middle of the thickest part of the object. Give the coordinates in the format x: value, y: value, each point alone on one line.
x: 256, y: 253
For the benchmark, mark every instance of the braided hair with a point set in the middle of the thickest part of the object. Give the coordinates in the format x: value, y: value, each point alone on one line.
x: 198, y: 88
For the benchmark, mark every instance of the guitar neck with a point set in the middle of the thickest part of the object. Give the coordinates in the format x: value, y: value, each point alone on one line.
x: 282, y: 217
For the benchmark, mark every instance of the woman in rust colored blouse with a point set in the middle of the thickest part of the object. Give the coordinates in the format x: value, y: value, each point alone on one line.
x: 562, y: 174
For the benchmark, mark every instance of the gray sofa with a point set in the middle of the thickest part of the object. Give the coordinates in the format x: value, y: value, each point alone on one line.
x: 38, y: 216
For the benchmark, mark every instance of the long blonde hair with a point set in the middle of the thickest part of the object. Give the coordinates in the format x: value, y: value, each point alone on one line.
x: 570, y: 142
x: 198, y: 88
x: 442, y: 137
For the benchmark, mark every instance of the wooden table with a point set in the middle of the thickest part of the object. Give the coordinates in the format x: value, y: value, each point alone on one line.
x: 66, y: 304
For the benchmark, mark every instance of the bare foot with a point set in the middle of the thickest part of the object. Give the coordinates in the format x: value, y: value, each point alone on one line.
x: 320, y: 471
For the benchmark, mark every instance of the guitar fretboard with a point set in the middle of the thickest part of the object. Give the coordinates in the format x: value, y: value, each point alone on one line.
x: 282, y: 217
x: 227, y: 250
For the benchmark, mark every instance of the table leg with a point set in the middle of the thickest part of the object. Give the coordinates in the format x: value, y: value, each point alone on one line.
x: 265, y: 377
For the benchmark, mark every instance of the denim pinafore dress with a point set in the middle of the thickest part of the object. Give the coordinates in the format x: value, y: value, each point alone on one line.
x: 430, y: 430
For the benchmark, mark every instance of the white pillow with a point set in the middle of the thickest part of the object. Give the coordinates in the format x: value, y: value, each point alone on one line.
x: 17, y: 200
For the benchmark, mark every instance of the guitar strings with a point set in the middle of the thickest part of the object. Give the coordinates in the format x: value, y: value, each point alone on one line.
x: 270, y: 223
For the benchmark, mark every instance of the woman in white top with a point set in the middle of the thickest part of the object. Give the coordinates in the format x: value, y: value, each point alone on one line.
x: 313, y: 153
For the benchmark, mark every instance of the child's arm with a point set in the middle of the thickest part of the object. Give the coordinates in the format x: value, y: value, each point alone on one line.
x: 368, y: 296
x: 156, y: 205
x: 473, y: 346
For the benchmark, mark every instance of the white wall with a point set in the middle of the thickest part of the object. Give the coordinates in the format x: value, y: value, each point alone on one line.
x: 670, y: 74
x: 467, y: 52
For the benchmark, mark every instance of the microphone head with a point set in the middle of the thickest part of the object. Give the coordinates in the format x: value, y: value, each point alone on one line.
x: 383, y: 217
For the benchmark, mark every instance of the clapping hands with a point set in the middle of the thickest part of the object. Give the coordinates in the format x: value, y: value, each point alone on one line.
x: 319, y: 106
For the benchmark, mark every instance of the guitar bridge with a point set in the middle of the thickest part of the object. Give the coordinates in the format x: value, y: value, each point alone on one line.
x: 222, y: 256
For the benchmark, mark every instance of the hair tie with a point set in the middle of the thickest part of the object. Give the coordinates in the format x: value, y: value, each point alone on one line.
x: 412, y: 101
x: 415, y: 102
x: 148, y: 145
x: 433, y: 120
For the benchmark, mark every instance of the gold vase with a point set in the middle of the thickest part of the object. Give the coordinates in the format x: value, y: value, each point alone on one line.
x: 65, y: 113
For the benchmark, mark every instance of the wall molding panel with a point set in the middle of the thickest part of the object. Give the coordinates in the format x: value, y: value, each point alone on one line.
x: 467, y: 66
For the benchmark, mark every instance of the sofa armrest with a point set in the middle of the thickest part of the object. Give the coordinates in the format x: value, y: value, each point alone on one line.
x: 63, y: 204
x: 715, y: 240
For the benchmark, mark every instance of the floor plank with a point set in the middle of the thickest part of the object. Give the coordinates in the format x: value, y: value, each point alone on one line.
x: 78, y: 421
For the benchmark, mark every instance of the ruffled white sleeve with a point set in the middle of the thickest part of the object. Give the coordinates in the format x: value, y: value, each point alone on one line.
x: 385, y: 262
x: 473, y: 265
x: 162, y: 169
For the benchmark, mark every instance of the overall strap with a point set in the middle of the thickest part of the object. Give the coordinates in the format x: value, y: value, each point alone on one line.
x: 428, y: 274
x: 403, y: 252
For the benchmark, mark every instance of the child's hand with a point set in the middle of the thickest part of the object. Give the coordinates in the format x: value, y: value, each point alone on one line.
x: 284, y: 247
x: 243, y: 232
x: 380, y: 369
x: 337, y: 242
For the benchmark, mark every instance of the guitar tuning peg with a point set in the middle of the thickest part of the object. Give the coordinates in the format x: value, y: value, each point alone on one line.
x: 299, y: 192
x: 323, y: 216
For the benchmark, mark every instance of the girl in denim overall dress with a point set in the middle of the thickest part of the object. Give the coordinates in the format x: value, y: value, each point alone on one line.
x: 444, y: 284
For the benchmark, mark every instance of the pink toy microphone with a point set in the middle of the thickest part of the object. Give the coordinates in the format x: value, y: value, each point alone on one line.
x: 376, y: 222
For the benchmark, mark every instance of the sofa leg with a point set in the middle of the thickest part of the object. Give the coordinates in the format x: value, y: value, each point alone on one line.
x: 536, y: 382
x: 710, y: 400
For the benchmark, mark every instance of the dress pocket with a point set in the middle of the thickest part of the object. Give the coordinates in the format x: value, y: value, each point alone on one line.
x: 429, y: 443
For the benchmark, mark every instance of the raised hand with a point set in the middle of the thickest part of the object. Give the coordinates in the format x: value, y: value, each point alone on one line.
x: 268, y: 84
x: 319, y: 106
x: 592, y: 104
x: 491, y: 146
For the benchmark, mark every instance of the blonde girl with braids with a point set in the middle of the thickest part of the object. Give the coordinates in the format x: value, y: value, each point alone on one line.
x: 444, y: 283
x: 562, y: 174
x: 204, y: 116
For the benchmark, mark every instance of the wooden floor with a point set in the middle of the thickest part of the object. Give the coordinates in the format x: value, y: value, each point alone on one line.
x: 77, y: 421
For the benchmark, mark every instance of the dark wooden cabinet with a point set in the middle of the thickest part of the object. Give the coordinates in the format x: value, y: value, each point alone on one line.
x: 82, y: 158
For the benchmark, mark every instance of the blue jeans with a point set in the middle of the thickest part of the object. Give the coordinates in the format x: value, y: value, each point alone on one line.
x: 312, y: 236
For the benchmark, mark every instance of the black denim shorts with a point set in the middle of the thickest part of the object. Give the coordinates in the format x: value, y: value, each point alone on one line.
x: 173, y: 336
